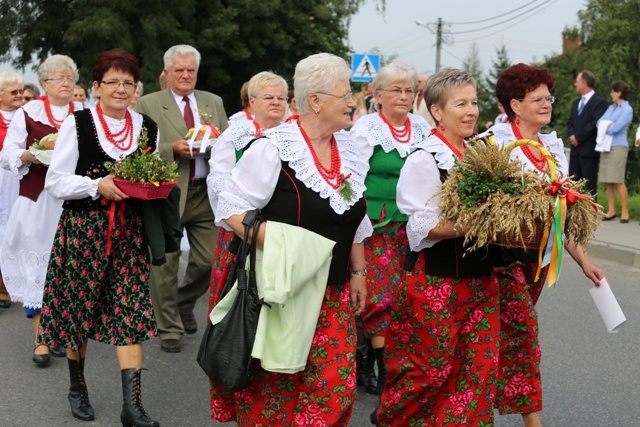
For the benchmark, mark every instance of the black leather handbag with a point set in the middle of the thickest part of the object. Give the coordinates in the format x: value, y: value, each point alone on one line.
x: 225, y: 350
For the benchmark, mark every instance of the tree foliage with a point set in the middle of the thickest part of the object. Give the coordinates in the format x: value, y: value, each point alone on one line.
x: 608, y: 46
x: 489, y: 103
x: 237, y: 38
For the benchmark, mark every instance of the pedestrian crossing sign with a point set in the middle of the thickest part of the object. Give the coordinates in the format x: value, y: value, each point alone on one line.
x: 364, y: 67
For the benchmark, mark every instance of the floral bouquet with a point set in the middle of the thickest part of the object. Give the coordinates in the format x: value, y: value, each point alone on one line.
x: 144, y: 175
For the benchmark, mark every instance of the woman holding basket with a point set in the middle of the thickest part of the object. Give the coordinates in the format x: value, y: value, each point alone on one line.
x: 524, y: 91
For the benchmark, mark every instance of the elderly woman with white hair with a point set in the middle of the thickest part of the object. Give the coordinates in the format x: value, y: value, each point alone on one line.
x: 11, y: 91
x: 385, y: 139
x: 34, y: 217
x: 267, y: 96
x: 309, y: 174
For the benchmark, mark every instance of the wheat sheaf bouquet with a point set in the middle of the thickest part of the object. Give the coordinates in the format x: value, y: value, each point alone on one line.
x: 495, y: 201
x: 144, y: 174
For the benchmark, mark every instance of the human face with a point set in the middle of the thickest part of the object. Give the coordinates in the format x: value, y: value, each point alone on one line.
x: 27, y: 96
x: 615, y: 95
x: 79, y: 95
x: 396, y: 99
x: 580, y: 85
x: 531, y: 113
x: 182, y: 75
x: 115, y: 100
x: 59, y: 87
x: 9, y: 101
x: 422, y: 83
x: 459, y: 113
x: 336, y: 106
x: 269, y: 105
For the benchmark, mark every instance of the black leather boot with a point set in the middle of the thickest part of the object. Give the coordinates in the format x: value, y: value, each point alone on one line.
x: 370, y: 381
x: 78, y: 394
x: 133, y: 414
x: 373, y: 417
x: 382, y: 371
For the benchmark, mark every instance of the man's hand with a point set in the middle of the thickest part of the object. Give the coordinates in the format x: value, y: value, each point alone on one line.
x: 181, y: 148
x: 573, y: 141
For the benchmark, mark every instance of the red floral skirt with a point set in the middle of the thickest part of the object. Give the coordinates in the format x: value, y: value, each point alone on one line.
x: 385, y: 252
x: 222, y: 261
x: 441, y: 352
x: 519, y: 382
x: 321, y: 395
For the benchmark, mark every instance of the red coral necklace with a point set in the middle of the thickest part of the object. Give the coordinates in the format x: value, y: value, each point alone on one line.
x: 539, y: 162
x: 456, y: 152
x: 332, y: 175
x: 47, y: 109
x: 4, y: 124
x: 403, y: 135
x: 119, y: 139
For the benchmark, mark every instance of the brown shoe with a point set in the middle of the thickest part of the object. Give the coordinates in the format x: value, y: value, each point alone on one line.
x: 189, y: 323
x: 170, y: 346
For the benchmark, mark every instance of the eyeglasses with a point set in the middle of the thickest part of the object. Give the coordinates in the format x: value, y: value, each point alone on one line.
x: 14, y: 92
x: 60, y: 80
x: 270, y: 99
x: 114, y: 84
x: 539, y: 101
x: 398, y: 91
x: 345, y: 98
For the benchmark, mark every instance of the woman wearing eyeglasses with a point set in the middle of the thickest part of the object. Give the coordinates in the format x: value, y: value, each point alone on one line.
x: 31, y: 92
x: 10, y: 100
x: 97, y: 286
x: 34, y: 216
x: 524, y: 92
x: 267, y: 100
x: 385, y: 139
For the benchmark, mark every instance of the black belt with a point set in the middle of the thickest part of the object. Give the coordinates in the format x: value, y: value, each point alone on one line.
x: 198, y: 182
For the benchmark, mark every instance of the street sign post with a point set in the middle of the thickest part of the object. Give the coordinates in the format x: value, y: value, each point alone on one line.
x: 364, y: 67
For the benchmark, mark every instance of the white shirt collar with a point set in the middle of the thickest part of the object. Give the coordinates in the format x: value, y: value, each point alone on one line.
x: 587, y: 96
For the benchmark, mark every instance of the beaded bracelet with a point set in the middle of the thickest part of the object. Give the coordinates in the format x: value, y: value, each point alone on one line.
x: 362, y: 272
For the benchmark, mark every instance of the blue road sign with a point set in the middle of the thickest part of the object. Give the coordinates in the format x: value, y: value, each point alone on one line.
x: 364, y: 67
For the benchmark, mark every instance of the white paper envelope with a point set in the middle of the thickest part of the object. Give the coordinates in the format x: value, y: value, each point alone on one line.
x: 608, y: 306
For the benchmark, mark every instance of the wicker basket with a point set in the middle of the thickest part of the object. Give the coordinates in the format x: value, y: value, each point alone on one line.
x: 529, y: 239
x: 145, y: 191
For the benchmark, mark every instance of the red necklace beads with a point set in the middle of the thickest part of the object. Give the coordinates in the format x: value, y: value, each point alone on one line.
x: 456, y: 152
x: 332, y: 175
x: 4, y: 124
x: 119, y: 139
x: 47, y: 109
x: 539, y: 162
x: 247, y: 113
x: 403, y: 135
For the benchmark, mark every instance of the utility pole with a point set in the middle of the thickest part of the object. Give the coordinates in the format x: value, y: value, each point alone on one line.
x: 439, y: 37
x: 438, y: 43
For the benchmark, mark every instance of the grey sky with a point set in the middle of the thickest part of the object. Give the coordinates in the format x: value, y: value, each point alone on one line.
x: 529, y: 37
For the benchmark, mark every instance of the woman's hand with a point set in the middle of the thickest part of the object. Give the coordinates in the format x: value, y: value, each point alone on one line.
x: 108, y: 189
x: 580, y: 256
x: 28, y: 157
x: 358, y: 288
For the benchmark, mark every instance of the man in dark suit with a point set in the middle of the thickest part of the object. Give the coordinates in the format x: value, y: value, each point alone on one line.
x: 175, y: 110
x: 582, y: 131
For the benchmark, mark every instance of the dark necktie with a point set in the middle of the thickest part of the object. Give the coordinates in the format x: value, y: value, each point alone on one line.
x: 188, y: 119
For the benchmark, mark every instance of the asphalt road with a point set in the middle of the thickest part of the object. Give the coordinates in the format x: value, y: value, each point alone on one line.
x: 590, y: 378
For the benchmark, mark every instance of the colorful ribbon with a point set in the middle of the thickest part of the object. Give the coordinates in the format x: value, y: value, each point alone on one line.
x: 112, y: 220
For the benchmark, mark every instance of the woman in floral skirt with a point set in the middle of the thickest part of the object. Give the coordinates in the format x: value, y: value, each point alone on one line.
x: 442, y: 343
x: 385, y: 139
x: 97, y: 284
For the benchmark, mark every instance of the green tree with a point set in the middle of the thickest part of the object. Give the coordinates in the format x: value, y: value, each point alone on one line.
x: 489, y: 104
x: 473, y: 64
x: 237, y: 38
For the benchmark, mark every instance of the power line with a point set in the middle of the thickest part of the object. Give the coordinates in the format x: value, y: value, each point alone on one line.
x: 502, y: 22
x: 495, y: 17
x: 509, y: 26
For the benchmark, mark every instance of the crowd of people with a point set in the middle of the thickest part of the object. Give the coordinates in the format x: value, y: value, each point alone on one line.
x: 443, y: 337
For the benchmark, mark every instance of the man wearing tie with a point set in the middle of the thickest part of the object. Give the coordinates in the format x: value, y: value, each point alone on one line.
x: 175, y: 110
x: 582, y: 131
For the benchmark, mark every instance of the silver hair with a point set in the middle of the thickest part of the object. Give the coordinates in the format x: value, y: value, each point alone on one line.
x: 317, y: 73
x: 264, y: 79
x: 394, y: 73
x: 56, y: 64
x: 141, y: 87
x: 180, y: 50
x: 33, y: 88
x: 440, y: 84
x: 10, y: 78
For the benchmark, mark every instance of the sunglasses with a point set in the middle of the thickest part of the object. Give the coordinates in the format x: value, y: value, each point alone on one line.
x: 15, y: 92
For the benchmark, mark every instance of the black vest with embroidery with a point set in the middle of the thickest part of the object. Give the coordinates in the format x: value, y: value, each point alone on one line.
x: 92, y: 157
x: 447, y: 258
x: 295, y: 204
